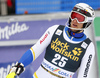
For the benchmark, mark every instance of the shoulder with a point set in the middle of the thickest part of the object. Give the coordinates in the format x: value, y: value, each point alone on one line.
x: 91, y: 44
x: 91, y: 48
x: 52, y: 28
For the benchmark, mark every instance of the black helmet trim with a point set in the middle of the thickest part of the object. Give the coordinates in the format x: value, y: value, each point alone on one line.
x: 84, y: 12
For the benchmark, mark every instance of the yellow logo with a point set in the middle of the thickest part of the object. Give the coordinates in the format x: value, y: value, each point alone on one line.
x: 77, y: 51
x: 62, y: 48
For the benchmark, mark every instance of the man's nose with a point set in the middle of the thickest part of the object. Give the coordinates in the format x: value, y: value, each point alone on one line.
x: 75, y: 20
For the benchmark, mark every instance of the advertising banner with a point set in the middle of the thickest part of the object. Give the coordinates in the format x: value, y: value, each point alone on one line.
x: 19, y: 31
x: 26, y: 30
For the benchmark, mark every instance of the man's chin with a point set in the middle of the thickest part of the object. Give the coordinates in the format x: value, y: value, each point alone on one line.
x: 74, y: 30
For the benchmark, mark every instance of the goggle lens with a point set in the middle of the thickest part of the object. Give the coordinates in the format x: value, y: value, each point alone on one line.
x: 79, y: 17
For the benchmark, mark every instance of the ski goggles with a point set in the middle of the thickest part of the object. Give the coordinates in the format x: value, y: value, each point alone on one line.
x: 80, y: 17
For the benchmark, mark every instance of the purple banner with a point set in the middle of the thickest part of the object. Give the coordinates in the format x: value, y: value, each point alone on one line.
x: 22, y: 30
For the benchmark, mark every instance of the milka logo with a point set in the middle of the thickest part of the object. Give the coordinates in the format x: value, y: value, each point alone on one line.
x: 7, y: 31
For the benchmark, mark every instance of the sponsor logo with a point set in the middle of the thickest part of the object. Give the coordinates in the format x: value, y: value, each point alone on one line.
x: 58, y: 32
x: 84, y: 45
x: 43, y: 38
x: 87, y: 66
x: 56, y: 70
x: 4, y: 71
x: 8, y: 31
x: 62, y: 48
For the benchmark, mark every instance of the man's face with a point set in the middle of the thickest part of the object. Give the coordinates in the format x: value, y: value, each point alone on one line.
x: 75, y: 24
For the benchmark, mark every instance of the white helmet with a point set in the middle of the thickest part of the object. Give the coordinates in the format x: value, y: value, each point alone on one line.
x: 83, y: 13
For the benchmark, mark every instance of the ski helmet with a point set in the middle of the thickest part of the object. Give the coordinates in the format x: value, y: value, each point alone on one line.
x: 83, y: 13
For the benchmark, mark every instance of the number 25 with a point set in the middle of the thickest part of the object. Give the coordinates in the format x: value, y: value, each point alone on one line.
x: 62, y: 59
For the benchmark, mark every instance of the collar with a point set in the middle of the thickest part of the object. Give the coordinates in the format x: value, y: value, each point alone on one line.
x: 76, y: 35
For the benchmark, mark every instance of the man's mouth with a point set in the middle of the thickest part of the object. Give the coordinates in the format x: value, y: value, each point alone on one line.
x: 74, y: 25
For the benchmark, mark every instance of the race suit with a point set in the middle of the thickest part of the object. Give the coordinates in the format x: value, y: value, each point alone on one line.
x: 66, y: 51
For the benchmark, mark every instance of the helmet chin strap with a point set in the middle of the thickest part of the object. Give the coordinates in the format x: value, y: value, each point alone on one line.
x: 78, y: 29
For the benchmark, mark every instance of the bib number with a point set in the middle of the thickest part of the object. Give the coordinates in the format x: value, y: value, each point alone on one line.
x: 62, y: 60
